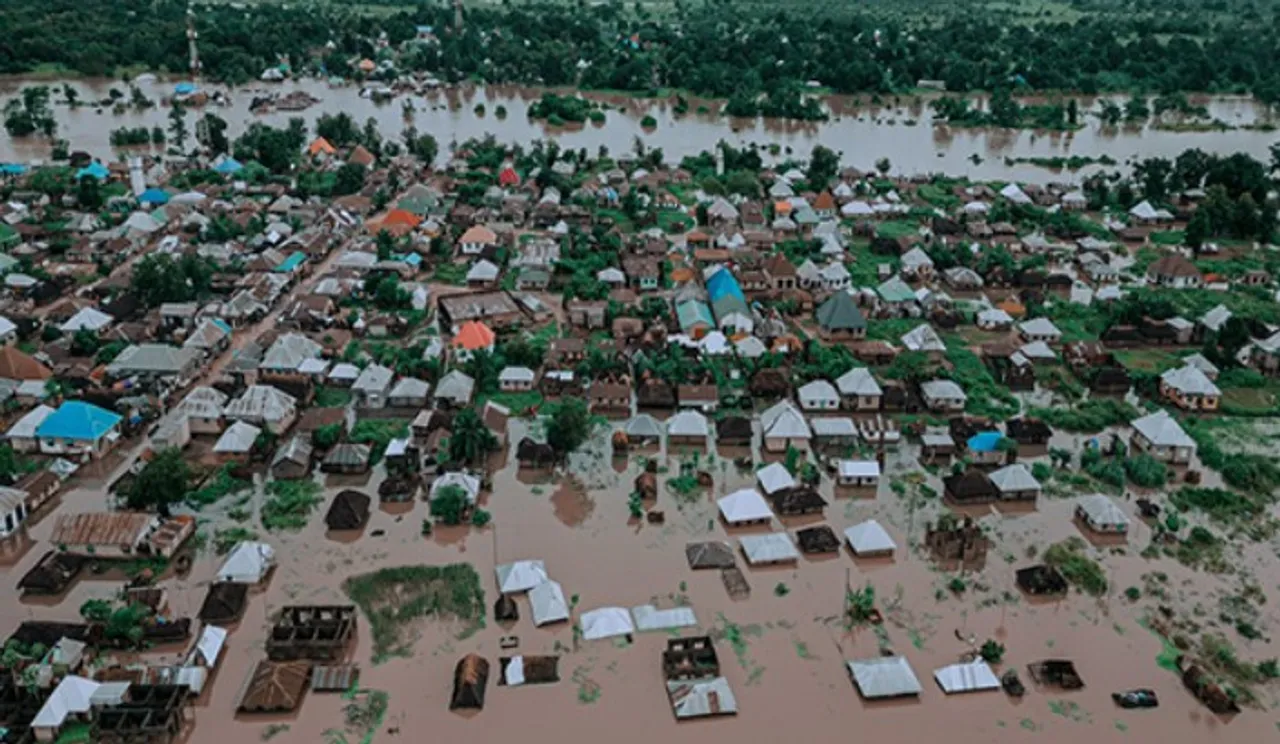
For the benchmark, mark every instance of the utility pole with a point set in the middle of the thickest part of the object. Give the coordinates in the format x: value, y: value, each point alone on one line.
x: 193, y: 52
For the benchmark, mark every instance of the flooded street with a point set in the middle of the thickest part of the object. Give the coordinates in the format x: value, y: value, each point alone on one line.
x: 787, y: 674
x: 904, y: 134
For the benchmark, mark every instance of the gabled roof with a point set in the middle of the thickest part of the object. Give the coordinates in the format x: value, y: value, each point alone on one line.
x: 860, y: 382
x: 262, y: 402
x: 1190, y: 380
x: 88, y: 318
x: 840, y: 313
x: 237, y: 439
x: 289, y: 351
x: 473, y: 335
x: 923, y: 338
x: 16, y: 364
x: 1162, y: 430
x: 782, y: 420
x: 374, y: 378
x: 77, y: 420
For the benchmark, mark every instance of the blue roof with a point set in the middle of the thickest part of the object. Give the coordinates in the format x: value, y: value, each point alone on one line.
x: 722, y: 283
x: 12, y: 169
x: 78, y: 420
x: 411, y: 259
x: 294, y: 260
x: 184, y: 89
x: 229, y: 166
x: 219, y: 322
x: 154, y: 196
x: 95, y: 169
x: 986, y: 441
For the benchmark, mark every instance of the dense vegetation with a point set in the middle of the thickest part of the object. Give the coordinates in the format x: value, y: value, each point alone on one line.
x: 727, y: 49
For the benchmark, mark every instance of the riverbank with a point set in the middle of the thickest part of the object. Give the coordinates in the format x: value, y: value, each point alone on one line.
x: 864, y: 134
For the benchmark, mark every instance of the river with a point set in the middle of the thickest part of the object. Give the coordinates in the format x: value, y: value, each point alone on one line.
x: 864, y: 134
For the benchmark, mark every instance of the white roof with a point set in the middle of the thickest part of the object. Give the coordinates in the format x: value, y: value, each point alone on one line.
x: 374, y: 378
x: 25, y: 427
x: 942, y: 389
x: 1039, y: 327
x: 1190, y: 380
x: 869, y: 537
x: 857, y: 209
x: 516, y: 374
x: 212, y: 639
x: 643, y: 425
x: 995, y: 316
x: 1143, y: 210
x: 860, y: 382
x: 1215, y: 318
x: 884, y: 677
x: 774, y: 477
x: 1037, y: 350
x: 467, y: 482
x: 859, y: 469
x: 88, y: 318
x: 262, y: 402
x: 1101, y: 510
x: 611, y: 275
x: 606, y: 622
x: 923, y: 338
x: 1015, y: 477
x: 751, y: 348
x: 817, y: 390
x: 6, y: 326
x: 546, y: 602
x: 1199, y: 361
x: 456, y: 385
x: 698, y: 698
x: 649, y: 618
x: 782, y: 420
x: 483, y: 271
x: 1162, y: 430
x: 520, y: 576
x: 744, y: 505
x: 830, y: 426
x: 313, y: 366
x: 237, y: 439
x: 687, y: 424
x: 1015, y: 194
x: 248, y: 563
x: 410, y: 387
x: 771, y: 548
x: 344, y: 371
x: 916, y: 258
x: 72, y: 695
x: 972, y: 677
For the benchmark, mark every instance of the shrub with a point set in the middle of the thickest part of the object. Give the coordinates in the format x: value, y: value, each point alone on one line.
x: 1146, y: 471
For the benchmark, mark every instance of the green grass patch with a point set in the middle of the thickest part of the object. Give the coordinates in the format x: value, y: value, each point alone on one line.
x: 378, y: 433
x: 1078, y: 569
x: 226, y: 539
x: 516, y: 402
x: 396, y: 599
x: 218, y: 486
x: 1167, y: 237
x: 1147, y: 360
x: 77, y: 732
x: 289, y: 504
x: 450, y: 273
x: 895, y: 229
x: 332, y: 397
x: 673, y: 221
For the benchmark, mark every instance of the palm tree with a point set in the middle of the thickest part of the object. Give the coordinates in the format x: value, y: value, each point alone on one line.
x: 469, y: 439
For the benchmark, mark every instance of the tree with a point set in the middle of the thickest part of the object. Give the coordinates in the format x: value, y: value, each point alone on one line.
x: 1197, y: 230
x: 569, y: 427
x: 421, y: 146
x: 883, y: 165
x: 824, y: 163
x: 992, y: 651
x: 85, y: 342
x: 484, y: 369
x: 88, y: 193
x: 326, y: 436
x: 386, y: 245
x: 178, y: 126
x: 96, y: 610
x: 469, y: 439
x: 163, y: 482
x: 1154, y: 174
x: 211, y: 133
x: 29, y: 113
x: 158, y: 278
x: 480, y: 517
x: 340, y: 129
x: 449, y: 504
x: 349, y: 179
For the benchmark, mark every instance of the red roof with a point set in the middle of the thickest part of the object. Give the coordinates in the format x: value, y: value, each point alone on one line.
x: 474, y: 335
x: 509, y: 177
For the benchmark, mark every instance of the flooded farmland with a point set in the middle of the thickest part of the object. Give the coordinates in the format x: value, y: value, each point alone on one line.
x: 785, y: 659
x: 902, y: 133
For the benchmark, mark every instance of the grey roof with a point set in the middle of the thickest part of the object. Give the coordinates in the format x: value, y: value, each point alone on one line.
x: 288, y: 352
x: 774, y: 547
x: 297, y: 449
x: 783, y: 420
x: 262, y: 403
x: 884, y: 677
x: 87, y: 318
x: 817, y: 390
x: 1015, y: 477
x: 869, y: 537
x: 410, y: 387
x: 687, y: 424
x: 374, y: 379
x: 643, y: 425
x: 840, y: 313
x: 860, y: 382
x: 1162, y: 430
x: 833, y: 427
x: 237, y: 439
x: 152, y: 358
x: 516, y: 374
x: 1215, y: 318
x: 1039, y: 327
x: 940, y: 389
x: 456, y: 385
x: 1190, y: 380
x: 698, y: 698
x: 974, y: 676
x: 1101, y: 510
x: 923, y: 338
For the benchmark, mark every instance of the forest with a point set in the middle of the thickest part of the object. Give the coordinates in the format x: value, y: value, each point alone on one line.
x: 758, y: 55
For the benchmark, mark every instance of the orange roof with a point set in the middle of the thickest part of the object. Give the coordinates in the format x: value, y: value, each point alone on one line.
x: 681, y: 274
x: 398, y: 218
x: 16, y: 364
x: 367, y: 65
x: 321, y: 146
x: 474, y: 335
x: 479, y: 234
x: 824, y: 201
x: 782, y: 207
x: 1013, y: 307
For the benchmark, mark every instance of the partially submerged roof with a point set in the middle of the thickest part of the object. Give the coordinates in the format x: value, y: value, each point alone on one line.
x: 648, y: 618
x: 520, y: 576
x: 700, y: 698
x: 971, y: 677
x: 869, y: 537
x: 606, y: 622
x: 547, y: 604
x: 775, y: 547
x: 775, y: 477
x: 744, y: 505
x: 709, y: 555
x: 884, y: 677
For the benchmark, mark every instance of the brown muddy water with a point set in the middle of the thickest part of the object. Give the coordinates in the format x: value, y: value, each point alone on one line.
x: 863, y: 134
x: 788, y: 675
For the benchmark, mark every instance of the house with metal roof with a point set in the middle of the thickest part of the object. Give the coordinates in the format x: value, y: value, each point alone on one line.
x: 265, y: 406
x: 1159, y: 435
x: 149, y: 363
x: 79, y: 428
x: 840, y: 318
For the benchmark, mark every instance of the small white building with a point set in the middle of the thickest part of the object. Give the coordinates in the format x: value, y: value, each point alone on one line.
x: 869, y: 539
x: 818, y: 395
x: 773, y: 548
x: 1100, y: 514
x: 743, y: 507
x: 943, y: 395
x: 858, y: 473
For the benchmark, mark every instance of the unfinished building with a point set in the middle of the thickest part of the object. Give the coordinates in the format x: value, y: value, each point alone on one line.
x: 314, y: 632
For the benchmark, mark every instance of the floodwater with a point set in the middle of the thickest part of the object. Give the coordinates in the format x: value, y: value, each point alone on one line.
x: 789, y: 678
x: 864, y: 134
